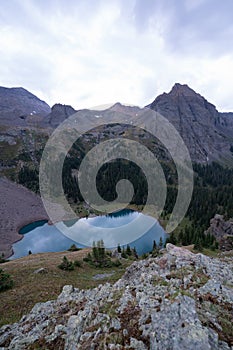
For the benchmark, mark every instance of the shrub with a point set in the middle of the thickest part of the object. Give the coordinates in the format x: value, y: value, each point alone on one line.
x: 99, y: 257
x: 2, y: 259
x: 66, y: 264
x: 74, y: 248
x: 87, y: 258
x: 78, y: 263
x: 5, y: 281
x: 117, y: 263
x: 145, y: 255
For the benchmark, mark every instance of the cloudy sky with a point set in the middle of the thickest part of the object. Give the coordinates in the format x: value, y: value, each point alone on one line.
x: 90, y: 52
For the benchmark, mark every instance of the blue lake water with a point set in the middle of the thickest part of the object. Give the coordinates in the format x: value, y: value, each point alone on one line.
x: 122, y: 226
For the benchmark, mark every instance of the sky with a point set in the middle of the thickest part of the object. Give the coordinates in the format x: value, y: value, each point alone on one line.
x: 87, y: 53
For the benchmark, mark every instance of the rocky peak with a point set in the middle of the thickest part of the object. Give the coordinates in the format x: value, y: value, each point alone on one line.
x: 16, y: 104
x: 124, y: 109
x: 179, y: 300
x: 198, y: 122
x: 183, y: 89
x: 181, y: 95
x: 61, y: 108
x: 59, y: 113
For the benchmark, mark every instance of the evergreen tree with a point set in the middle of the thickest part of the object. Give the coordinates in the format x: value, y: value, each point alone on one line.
x: 181, y: 236
x: 95, y: 251
x: 154, y: 246
x: 119, y: 248
x: 128, y: 250
x: 160, y: 243
x: 101, y: 249
x: 172, y: 239
x: 198, y: 246
x: 123, y: 254
x: 135, y: 253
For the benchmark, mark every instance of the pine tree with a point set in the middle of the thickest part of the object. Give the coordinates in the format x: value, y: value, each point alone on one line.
x: 101, y: 249
x: 198, y: 246
x: 154, y: 246
x: 160, y: 243
x: 181, y: 236
x: 135, y: 253
x: 128, y: 250
x: 123, y: 254
x: 172, y: 239
x: 119, y: 248
x: 95, y: 252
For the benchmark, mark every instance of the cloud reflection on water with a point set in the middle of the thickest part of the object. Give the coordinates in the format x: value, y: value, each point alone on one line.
x: 48, y: 238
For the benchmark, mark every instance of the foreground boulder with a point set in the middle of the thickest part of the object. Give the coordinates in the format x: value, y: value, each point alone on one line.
x: 179, y: 300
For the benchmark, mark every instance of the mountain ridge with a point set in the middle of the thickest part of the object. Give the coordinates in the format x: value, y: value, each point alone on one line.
x: 17, y: 103
x: 203, y: 129
x: 207, y: 133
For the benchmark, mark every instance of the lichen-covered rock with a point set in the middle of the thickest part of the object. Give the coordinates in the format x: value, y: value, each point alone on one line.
x: 222, y: 230
x: 179, y: 300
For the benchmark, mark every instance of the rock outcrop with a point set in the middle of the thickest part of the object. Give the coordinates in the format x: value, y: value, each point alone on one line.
x: 178, y: 301
x: 59, y: 113
x: 222, y: 230
x: 206, y: 132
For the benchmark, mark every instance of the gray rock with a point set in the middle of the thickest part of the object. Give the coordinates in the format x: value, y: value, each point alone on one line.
x: 137, y: 344
x: 223, y: 231
x: 40, y: 270
x: 160, y: 303
x: 101, y: 276
x: 59, y: 113
x: 205, y: 131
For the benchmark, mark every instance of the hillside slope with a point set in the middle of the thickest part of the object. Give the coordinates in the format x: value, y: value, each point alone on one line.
x: 19, y: 206
x: 19, y: 106
x: 176, y: 301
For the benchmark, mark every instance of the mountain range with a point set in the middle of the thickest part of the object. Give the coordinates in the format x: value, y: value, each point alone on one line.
x: 207, y: 133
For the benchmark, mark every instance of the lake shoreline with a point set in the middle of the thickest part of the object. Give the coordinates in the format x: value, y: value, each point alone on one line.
x: 113, y: 229
x: 19, y: 207
x: 22, y: 207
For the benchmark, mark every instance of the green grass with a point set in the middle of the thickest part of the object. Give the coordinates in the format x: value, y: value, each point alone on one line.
x: 30, y: 288
x: 211, y: 253
x: 8, y: 151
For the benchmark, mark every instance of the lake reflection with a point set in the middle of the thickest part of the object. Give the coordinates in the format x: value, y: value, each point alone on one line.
x: 125, y: 225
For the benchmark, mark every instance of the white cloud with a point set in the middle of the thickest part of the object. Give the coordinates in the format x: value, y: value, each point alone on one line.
x: 89, y: 53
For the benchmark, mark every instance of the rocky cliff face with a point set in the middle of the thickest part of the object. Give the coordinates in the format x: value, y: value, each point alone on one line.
x: 223, y: 231
x: 206, y: 132
x: 19, y: 107
x: 176, y: 301
x: 59, y: 113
